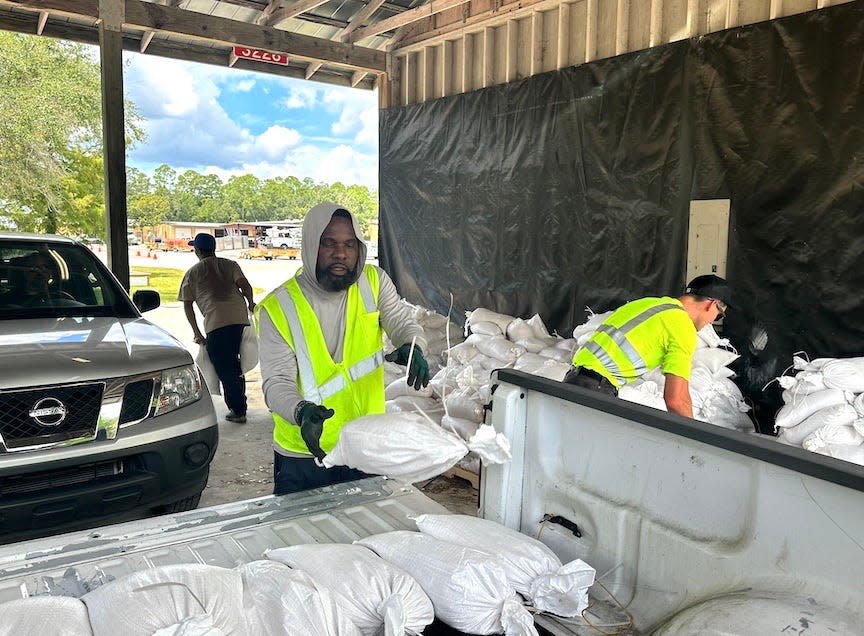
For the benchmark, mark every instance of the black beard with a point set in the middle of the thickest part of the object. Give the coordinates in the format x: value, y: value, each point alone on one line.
x: 334, y: 283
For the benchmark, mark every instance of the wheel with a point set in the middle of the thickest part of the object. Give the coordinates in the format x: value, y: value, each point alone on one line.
x: 284, y: 246
x: 190, y: 503
x: 268, y: 258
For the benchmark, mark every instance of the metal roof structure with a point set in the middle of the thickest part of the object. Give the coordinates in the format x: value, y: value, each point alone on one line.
x: 339, y: 42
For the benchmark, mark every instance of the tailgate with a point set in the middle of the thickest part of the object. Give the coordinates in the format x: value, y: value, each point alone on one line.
x: 227, y: 535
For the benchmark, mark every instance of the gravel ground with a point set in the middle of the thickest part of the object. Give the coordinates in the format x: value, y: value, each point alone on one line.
x: 243, y: 466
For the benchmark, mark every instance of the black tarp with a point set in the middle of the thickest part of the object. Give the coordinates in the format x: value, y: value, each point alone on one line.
x: 572, y: 188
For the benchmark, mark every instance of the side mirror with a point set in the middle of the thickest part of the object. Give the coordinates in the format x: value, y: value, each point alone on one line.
x: 146, y: 299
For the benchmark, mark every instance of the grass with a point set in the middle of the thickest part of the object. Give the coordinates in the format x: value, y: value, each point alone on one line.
x: 166, y: 281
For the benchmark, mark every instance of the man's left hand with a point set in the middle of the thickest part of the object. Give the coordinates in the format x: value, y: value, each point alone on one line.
x: 418, y: 374
x: 199, y: 340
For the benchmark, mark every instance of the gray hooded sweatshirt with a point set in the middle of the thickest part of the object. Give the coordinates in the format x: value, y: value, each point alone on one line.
x: 278, y: 362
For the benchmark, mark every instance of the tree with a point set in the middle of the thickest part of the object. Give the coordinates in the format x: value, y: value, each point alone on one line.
x: 50, y: 106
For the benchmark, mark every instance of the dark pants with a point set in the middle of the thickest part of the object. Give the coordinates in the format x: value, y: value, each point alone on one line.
x: 590, y: 380
x: 223, y: 347
x: 295, y: 474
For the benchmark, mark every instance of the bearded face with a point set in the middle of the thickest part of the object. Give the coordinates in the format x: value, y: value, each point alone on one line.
x: 338, y: 252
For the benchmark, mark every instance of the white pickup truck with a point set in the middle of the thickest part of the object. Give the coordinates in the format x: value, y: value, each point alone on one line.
x: 693, y: 529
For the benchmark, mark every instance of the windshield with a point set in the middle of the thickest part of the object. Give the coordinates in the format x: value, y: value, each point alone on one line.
x: 49, y: 279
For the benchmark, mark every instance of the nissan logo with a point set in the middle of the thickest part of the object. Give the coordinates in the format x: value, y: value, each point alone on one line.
x: 48, y: 412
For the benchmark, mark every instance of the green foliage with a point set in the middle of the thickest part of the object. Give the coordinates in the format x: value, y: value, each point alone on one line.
x: 192, y: 196
x: 50, y: 106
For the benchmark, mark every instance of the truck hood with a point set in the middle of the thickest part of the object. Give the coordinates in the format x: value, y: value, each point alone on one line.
x: 46, y: 351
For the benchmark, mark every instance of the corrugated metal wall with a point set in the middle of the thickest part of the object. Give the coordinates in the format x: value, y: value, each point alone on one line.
x: 488, y: 42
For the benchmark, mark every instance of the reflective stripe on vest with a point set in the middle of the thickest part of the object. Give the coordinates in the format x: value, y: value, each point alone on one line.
x: 619, y: 337
x: 311, y: 391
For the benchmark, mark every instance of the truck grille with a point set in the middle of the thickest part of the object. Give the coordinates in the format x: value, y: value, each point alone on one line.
x: 56, y: 479
x: 136, y: 401
x: 49, y: 415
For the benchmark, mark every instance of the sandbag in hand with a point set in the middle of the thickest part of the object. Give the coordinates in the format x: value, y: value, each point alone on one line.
x: 311, y: 420
x: 418, y: 374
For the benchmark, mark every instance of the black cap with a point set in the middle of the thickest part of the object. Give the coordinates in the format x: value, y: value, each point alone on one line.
x: 204, y: 241
x: 710, y: 286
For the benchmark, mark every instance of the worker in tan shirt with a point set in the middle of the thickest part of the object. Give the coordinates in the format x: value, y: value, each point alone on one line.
x: 224, y: 298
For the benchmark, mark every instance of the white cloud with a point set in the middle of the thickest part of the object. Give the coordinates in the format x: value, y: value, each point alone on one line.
x: 301, y: 97
x: 329, y: 133
x: 274, y: 142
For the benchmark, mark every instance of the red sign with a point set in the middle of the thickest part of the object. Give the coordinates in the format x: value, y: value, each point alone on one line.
x: 263, y: 56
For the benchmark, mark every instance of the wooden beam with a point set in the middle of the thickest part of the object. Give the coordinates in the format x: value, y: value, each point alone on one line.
x: 43, y: 19
x: 232, y: 58
x: 590, y: 30
x: 446, y: 67
x: 292, y: 11
x: 512, y: 50
x: 341, y: 34
x: 146, y: 39
x: 655, y: 27
x: 776, y: 10
x: 488, y: 68
x: 111, y: 18
x: 622, y: 26
x: 357, y: 77
x: 423, y: 11
x: 562, y: 58
x: 693, y: 18
x: 536, y: 43
x: 732, y: 7
x: 148, y: 16
x: 467, y: 55
x: 357, y: 21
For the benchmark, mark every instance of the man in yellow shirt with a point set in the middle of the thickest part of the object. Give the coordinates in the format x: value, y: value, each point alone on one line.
x: 648, y: 333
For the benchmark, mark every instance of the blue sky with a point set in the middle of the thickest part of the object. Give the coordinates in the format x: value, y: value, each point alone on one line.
x: 227, y: 122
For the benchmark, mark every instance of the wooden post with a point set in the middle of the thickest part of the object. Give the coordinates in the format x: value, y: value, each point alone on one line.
x: 111, y: 16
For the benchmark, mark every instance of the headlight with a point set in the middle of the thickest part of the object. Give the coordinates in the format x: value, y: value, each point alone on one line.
x: 180, y: 386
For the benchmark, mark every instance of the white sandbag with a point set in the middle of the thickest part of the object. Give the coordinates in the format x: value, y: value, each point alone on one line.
x: 707, y: 337
x: 539, y: 328
x: 468, y: 588
x: 802, y: 364
x: 501, y: 349
x: 281, y: 601
x: 463, y: 352
x: 804, y: 406
x: 567, y: 343
x: 464, y: 404
x: 854, y: 454
x: 459, y: 426
x: 645, y: 392
x: 248, y: 348
x: 532, y: 345
x: 713, y: 359
x: 846, y: 374
x: 584, y: 331
x: 208, y: 371
x: 519, y: 329
x: 407, y: 446
x: 44, y: 616
x: 722, y: 408
x: 858, y: 403
x: 400, y: 387
x: 553, y: 370
x: 392, y: 372
x: 837, y: 415
x: 804, y: 383
x: 163, y: 597
x: 832, y: 434
x: 486, y: 315
x: 410, y: 403
x: 372, y: 593
x: 532, y: 569
x: 557, y: 353
x: 530, y: 362
x: 201, y: 625
x: 486, y: 329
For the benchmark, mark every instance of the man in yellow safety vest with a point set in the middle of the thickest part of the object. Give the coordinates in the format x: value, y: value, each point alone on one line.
x: 647, y: 333
x: 321, y: 348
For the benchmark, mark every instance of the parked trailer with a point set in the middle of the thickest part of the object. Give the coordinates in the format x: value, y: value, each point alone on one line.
x: 269, y: 253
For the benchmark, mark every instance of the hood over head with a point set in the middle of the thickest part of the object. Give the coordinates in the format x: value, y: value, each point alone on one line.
x: 315, y: 222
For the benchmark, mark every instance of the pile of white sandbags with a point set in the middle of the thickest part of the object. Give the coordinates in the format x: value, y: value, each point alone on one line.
x: 716, y: 399
x: 823, y: 408
x: 460, y: 387
x: 479, y: 574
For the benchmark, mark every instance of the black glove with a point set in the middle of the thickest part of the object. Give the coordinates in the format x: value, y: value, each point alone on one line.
x: 310, y: 417
x: 418, y: 374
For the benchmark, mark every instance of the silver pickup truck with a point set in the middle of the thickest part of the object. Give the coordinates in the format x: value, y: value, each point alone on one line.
x: 102, y: 414
x: 693, y: 529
